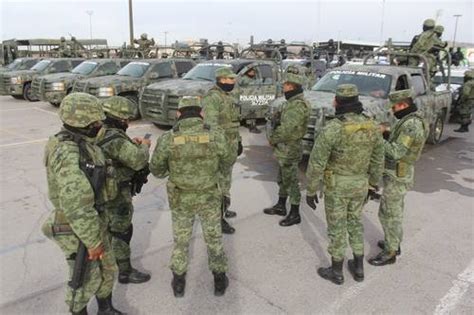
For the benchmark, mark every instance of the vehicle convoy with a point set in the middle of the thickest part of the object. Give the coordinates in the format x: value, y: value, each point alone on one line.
x: 129, y: 81
x: 54, y: 87
x: 374, y: 82
x: 18, y: 64
x: 18, y: 83
x: 159, y: 101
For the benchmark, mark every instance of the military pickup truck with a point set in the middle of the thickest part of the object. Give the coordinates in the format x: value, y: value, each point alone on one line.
x: 159, y: 101
x: 54, y: 87
x: 129, y: 81
x: 18, y: 64
x: 18, y: 83
x: 374, y: 82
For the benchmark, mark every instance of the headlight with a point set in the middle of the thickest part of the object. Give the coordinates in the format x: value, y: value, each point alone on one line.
x: 106, y: 91
x: 57, y: 86
x: 16, y: 80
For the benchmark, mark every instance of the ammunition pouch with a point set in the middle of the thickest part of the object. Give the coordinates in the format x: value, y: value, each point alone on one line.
x: 61, y: 229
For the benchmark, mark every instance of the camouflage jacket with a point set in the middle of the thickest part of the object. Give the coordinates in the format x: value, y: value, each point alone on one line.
x: 288, y: 135
x: 220, y: 111
x: 70, y: 191
x: 425, y: 42
x: 192, y: 154
x: 349, y: 153
x: 404, y: 147
x: 466, y: 96
x: 127, y: 156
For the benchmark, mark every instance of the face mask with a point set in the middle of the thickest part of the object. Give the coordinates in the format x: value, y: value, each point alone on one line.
x: 294, y: 92
x: 225, y: 86
x: 93, y: 131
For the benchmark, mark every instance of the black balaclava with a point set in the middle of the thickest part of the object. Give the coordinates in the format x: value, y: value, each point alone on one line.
x: 225, y: 86
x: 116, y: 123
x: 296, y: 91
x: 190, y: 112
x: 90, y: 131
x: 348, y: 105
x: 410, y: 109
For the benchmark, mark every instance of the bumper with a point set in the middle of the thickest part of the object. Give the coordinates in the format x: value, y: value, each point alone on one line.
x: 53, y: 97
x: 15, y: 89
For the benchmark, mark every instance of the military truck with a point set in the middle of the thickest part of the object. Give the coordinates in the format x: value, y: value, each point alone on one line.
x: 18, y: 64
x: 54, y: 87
x: 374, y: 82
x: 18, y: 83
x: 159, y: 101
x: 129, y: 81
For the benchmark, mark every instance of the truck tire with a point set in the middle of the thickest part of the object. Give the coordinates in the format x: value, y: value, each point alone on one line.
x: 134, y: 99
x: 55, y: 104
x: 436, y: 130
x: 27, y: 93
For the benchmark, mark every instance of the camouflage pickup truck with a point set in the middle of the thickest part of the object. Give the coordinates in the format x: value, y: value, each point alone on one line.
x: 18, y: 64
x: 18, y: 83
x: 375, y: 82
x: 159, y: 101
x: 129, y: 81
x: 54, y: 87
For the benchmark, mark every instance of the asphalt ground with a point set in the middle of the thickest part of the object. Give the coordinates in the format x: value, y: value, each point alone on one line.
x: 272, y: 269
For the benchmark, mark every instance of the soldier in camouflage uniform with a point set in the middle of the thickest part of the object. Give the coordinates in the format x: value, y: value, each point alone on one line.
x: 75, y: 173
x: 402, y: 149
x: 221, y: 112
x: 465, y: 103
x: 192, y: 154
x: 130, y: 160
x: 63, y: 48
x: 144, y: 44
x: 348, y: 154
x: 76, y: 47
x: 286, y: 141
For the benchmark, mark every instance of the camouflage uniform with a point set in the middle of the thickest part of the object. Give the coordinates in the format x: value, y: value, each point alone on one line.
x: 466, y: 102
x: 76, y: 216
x: 192, y: 154
x: 144, y: 44
x: 128, y: 158
x: 63, y: 48
x: 402, y: 150
x: 76, y: 47
x: 348, y: 153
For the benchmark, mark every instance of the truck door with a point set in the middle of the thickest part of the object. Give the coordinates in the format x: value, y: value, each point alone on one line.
x: 422, y: 98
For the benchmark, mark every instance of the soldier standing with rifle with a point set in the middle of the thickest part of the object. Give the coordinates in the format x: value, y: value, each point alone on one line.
x: 130, y: 160
x: 76, y: 173
x: 465, y: 102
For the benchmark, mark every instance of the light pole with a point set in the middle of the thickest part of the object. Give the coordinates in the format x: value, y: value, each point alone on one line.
x: 90, y: 12
x: 130, y: 20
x: 381, y: 22
x: 166, y: 35
x: 457, y: 16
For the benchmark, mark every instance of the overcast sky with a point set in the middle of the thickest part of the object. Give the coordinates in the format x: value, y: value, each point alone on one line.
x: 233, y: 20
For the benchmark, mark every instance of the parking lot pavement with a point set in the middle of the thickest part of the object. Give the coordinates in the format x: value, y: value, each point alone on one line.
x: 272, y: 269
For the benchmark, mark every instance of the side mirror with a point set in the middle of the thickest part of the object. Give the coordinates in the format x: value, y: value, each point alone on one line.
x: 153, y: 76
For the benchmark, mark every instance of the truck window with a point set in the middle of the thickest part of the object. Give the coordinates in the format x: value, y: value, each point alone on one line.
x: 109, y: 68
x: 402, y: 83
x: 418, y: 84
x: 75, y: 63
x: 183, y: 67
x: 163, y: 69
x: 60, y: 66
x: 266, y: 74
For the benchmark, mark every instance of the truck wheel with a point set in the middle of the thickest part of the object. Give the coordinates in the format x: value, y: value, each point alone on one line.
x: 55, y: 104
x: 436, y: 131
x: 28, y: 93
x: 134, y: 99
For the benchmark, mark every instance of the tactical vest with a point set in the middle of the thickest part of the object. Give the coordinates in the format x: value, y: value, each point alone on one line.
x: 301, y: 130
x: 416, y: 146
x: 229, y: 117
x: 193, y: 161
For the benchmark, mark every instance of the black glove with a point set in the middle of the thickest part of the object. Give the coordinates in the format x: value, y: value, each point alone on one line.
x: 240, y: 149
x: 312, y: 201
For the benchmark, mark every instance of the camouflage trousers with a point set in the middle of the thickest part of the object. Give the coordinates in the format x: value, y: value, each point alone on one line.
x: 225, y: 178
x: 185, y: 206
x: 100, y: 275
x: 288, y: 181
x: 120, y: 212
x: 391, y: 211
x: 343, y: 216
x: 464, y: 112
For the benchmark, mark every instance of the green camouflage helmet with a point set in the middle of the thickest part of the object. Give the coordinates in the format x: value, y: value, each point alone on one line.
x: 62, y: 39
x: 144, y: 36
x: 189, y: 101
x: 469, y: 74
x: 119, y: 107
x: 347, y: 91
x: 439, y: 29
x: 294, y: 74
x: 80, y: 110
x: 399, y: 96
x: 429, y: 23
x: 225, y: 72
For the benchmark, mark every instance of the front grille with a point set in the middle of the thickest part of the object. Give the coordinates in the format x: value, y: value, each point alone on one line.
x: 37, y: 87
x: 4, y: 84
x: 151, y: 103
x: 80, y: 86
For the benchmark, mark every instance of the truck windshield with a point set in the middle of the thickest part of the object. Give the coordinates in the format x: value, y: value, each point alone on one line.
x: 134, y: 69
x: 204, y: 71
x: 40, y: 66
x: 85, y: 68
x: 15, y: 65
x: 369, y: 83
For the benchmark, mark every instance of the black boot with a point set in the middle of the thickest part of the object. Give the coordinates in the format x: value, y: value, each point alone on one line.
x: 463, y: 128
x: 81, y: 312
x: 333, y: 273
x: 383, y: 258
x: 293, y: 217
x: 226, y: 204
x: 356, y: 267
x: 128, y: 274
x: 106, y: 307
x: 279, y: 208
x: 253, y: 129
x: 226, y: 227
x: 381, y: 245
x: 221, y: 282
x: 178, y: 284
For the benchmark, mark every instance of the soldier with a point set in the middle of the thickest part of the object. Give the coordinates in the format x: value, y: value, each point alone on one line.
x: 283, y: 49
x: 331, y: 50
x: 458, y: 56
x: 221, y: 112
x: 76, y: 47
x: 433, y: 56
x: 144, y: 44
x: 424, y: 43
x: 75, y: 169
x: 192, y: 154
x: 63, y: 48
x: 130, y: 159
x: 349, y: 153
x: 465, y: 102
x: 402, y: 150
x: 220, y: 50
x: 286, y: 140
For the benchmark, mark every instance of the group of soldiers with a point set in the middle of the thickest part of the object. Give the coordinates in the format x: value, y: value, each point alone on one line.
x: 73, y: 49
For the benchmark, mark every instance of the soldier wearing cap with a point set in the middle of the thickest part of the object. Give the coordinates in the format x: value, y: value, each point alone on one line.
x: 76, y: 173
x: 424, y: 43
x: 348, y: 157
x: 130, y: 160
x: 221, y: 112
x: 465, y: 103
x: 63, y: 48
x: 144, y: 44
x: 286, y: 141
x: 192, y: 155
x: 402, y: 149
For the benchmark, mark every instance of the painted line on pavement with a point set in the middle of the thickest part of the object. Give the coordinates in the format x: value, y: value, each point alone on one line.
x: 23, y: 143
x: 13, y: 109
x: 45, y: 111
